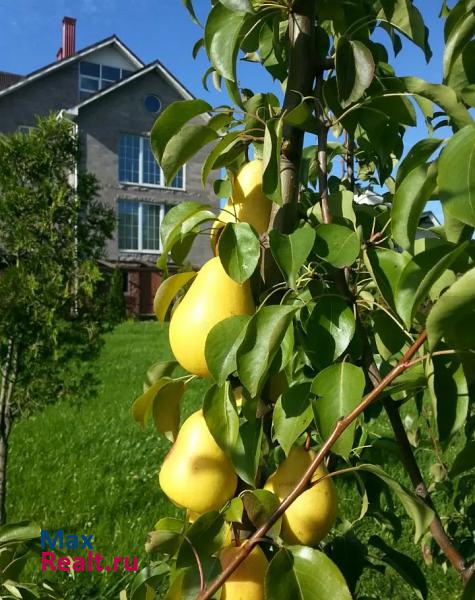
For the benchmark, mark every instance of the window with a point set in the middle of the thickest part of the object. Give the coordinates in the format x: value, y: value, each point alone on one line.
x: 152, y: 103
x: 94, y: 77
x: 139, y: 226
x: 138, y: 165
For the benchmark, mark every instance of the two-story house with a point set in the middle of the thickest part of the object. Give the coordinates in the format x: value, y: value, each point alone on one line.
x: 113, y: 99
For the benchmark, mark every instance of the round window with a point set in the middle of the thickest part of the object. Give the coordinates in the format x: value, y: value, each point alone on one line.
x: 153, y: 104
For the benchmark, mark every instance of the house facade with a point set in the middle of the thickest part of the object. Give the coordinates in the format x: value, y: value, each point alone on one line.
x: 113, y: 99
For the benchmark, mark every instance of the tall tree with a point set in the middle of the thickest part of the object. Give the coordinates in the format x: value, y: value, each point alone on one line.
x: 52, y: 231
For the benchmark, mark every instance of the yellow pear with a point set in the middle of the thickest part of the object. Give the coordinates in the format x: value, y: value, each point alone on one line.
x: 196, y: 474
x: 309, y: 519
x: 248, y: 203
x: 247, y: 581
x: 212, y: 297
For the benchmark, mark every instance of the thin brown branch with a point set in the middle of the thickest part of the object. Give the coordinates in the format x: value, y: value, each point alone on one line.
x: 198, y: 562
x: 412, y: 468
x: 340, y: 426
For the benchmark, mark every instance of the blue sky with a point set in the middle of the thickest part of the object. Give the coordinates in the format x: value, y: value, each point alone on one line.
x: 30, y: 35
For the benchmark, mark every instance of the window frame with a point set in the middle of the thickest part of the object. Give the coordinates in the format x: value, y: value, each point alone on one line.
x: 141, y: 182
x: 140, y: 203
x: 101, y: 79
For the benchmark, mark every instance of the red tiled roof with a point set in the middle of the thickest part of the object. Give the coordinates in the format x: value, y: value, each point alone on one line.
x: 8, y: 79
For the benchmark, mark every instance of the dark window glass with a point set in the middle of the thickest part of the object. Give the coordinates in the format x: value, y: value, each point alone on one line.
x: 126, y: 73
x: 110, y: 73
x: 128, y: 225
x: 87, y: 68
x: 152, y: 104
x: 129, y: 157
x: 151, y: 170
x: 150, y: 227
x: 89, y: 84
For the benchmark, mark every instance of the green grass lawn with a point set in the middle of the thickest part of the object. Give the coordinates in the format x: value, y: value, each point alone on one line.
x: 87, y: 468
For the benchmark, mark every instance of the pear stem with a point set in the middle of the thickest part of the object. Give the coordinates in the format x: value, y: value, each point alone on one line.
x: 340, y: 426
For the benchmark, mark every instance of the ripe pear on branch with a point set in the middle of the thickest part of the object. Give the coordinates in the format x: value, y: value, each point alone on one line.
x: 247, y: 204
x: 196, y: 474
x: 247, y: 581
x: 312, y: 515
x: 213, y: 296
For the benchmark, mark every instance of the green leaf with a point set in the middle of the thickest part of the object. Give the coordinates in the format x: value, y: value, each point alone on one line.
x: 354, y: 70
x: 188, y: 4
x: 464, y: 461
x: 207, y: 535
x: 264, y: 335
x: 147, y: 580
x: 142, y: 406
x: 418, y: 155
x: 219, y: 410
x: 329, y: 330
x: 409, y: 202
x: 456, y: 178
x: 388, y: 335
x: 238, y: 5
x: 339, y: 389
x: 166, y: 408
x: 222, y: 344
x: 171, y: 120
x: 170, y: 229
x: 453, y: 315
x: 234, y: 510
x: 419, y: 512
x: 239, y: 250
x: 222, y: 35
x: 183, y: 146
x: 405, y: 17
x: 449, y: 392
x: 271, y: 160
x: 303, y: 573
x: 224, y: 145
x: 407, y: 568
x: 166, y: 536
x: 442, y: 95
x: 302, y: 117
x: 420, y: 274
x: 337, y: 245
x: 291, y: 251
x: 468, y: 95
x: 167, y: 290
x: 292, y: 415
x: 23, y: 531
x: 460, y: 35
x: 260, y: 505
x: 246, y: 453
x: 193, y: 221
x: 386, y: 267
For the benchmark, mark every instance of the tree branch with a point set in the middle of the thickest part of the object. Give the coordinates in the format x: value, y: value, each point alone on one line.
x: 340, y: 426
x: 301, y: 71
x: 436, y: 527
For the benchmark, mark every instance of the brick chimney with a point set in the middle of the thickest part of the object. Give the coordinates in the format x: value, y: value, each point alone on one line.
x: 69, y: 39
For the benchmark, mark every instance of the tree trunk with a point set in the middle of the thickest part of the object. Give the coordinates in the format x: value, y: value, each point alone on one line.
x: 9, y: 372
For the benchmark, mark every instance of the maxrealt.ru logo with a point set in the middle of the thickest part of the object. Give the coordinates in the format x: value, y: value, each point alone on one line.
x: 92, y: 561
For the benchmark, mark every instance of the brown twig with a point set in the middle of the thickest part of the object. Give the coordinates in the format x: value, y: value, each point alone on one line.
x: 340, y: 426
x: 198, y: 562
x: 436, y: 527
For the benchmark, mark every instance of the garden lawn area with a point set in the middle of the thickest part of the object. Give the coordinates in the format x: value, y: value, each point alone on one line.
x: 85, y: 466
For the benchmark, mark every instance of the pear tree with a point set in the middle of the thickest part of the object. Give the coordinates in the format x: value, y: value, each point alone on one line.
x: 334, y: 445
